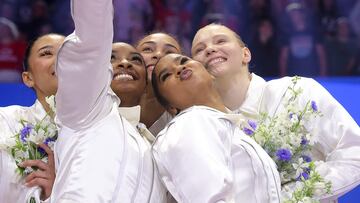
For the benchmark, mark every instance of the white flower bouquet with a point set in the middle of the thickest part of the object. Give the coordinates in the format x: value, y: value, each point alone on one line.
x: 24, y: 144
x: 287, y: 141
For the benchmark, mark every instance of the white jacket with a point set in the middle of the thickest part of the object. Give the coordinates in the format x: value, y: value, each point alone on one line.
x: 336, y: 133
x: 203, y: 156
x: 96, y: 157
x: 12, y: 188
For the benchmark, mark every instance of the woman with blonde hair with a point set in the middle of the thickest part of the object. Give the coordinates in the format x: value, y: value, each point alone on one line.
x: 336, y: 134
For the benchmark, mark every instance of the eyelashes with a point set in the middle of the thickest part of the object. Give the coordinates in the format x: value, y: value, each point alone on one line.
x: 46, y: 53
x: 133, y: 58
x: 165, y: 51
x: 137, y: 58
x: 202, y: 47
x: 147, y: 49
x: 198, y: 50
x: 220, y: 41
x: 165, y: 76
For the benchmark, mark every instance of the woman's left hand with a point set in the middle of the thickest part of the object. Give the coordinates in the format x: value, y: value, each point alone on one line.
x: 44, y: 177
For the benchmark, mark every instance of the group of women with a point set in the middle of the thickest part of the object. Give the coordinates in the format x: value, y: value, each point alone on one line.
x: 145, y: 123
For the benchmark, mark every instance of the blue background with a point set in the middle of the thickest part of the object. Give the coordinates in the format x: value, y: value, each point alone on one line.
x: 345, y: 89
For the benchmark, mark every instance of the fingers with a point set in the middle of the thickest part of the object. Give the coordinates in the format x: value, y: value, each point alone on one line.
x: 38, y: 163
x: 41, y: 182
x: 34, y: 163
x: 45, y: 185
x: 50, y: 154
x: 37, y: 174
x: 44, y: 179
x: 46, y: 148
x: 45, y: 176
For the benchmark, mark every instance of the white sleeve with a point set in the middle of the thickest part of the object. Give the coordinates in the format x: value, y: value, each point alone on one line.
x: 338, y: 139
x: 6, y: 123
x: 83, y: 65
x: 1, y: 175
x: 11, y: 188
x: 5, y: 133
x: 194, y: 160
x: 4, y: 176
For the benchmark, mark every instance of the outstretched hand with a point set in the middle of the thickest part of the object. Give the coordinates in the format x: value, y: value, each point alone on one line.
x: 44, y: 177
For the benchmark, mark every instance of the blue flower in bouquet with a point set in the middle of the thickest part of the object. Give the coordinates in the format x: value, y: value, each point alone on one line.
x: 306, y: 158
x: 284, y: 154
x: 252, y: 124
x: 24, y: 144
x: 50, y: 139
x: 41, y: 151
x: 304, y: 174
x: 286, y: 139
x: 314, y: 106
x: 304, y: 141
x: 25, y: 132
x: 248, y: 131
x: 294, y: 117
x: 47, y: 142
x: 291, y: 115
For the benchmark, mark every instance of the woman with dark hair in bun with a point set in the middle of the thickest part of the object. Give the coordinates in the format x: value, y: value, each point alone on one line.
x: 38, y: 74
x: 201, y: 154
x: 152, y: 47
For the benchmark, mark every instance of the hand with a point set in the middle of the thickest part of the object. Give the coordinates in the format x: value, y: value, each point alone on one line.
x: 44, y: 177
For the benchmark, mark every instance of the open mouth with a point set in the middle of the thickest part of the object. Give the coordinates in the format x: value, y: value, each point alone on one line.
x: 185, y: 74
x: 124, y: 76
x: 215, y: 61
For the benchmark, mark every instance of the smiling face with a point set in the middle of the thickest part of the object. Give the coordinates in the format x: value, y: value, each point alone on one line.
x: 220, y: 51
x: 181, y: 82
x: 155, y: 46
x: 41, y: 65
x: 129, y: 80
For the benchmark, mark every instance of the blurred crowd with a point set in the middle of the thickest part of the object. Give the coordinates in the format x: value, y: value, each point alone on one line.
x: 286, y: 37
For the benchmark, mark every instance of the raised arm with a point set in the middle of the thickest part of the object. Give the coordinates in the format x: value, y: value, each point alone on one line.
x: 83, y: 65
